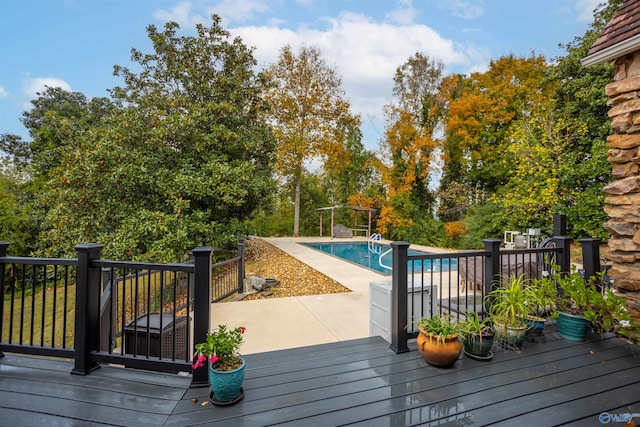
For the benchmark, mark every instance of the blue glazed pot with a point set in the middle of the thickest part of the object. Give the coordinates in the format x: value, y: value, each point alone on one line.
x: 535, y: 325
x: 226, y: 384
x: 572, y: 327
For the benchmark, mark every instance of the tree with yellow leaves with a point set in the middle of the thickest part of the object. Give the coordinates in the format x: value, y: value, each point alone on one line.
x: 482, y: 113
x: 308, y: 113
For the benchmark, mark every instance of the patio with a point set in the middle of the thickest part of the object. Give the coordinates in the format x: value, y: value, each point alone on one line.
x: 356, y: 382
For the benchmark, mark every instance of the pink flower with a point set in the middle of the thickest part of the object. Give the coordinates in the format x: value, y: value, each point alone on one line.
x: 214, y: 358
x: 199, y: 361
x: 242, y: 329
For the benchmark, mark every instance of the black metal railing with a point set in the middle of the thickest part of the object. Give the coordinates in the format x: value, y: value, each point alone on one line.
x: 38, y: 301
x: 145, y: 310
x: 141, y: 315
x: 456, y: 283
x: 227, y: 277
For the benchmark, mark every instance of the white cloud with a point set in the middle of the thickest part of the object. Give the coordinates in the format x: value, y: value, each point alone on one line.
x: 229, y: 10
x: 4, y: 93
x: 238, y: 10
x: 463, y: 9
x: 35, y: 85
x: 365, y: 52
x: 585, y: 9
x: 405, y: 13
x: 367, y: 64
x: 180, y: 14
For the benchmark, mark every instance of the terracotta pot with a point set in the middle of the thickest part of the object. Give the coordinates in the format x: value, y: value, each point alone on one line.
x: 438, y: 353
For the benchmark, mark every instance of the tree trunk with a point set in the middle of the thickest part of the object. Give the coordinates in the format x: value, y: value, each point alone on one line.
x: 296, y: 211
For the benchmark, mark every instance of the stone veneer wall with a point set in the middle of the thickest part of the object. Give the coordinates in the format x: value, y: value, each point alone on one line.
x: 622, y: 203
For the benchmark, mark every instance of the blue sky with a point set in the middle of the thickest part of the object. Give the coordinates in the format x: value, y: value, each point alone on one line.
x: 74, y: 44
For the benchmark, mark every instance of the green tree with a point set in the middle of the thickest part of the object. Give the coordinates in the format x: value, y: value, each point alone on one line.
x: 348, y: 168
x: 539, y: 147
x: 181, y: 162
x: 15, y: 224
x: 581, y: 101
x: 51, y: 122
x: 308, y: 113
x: 54, y: 122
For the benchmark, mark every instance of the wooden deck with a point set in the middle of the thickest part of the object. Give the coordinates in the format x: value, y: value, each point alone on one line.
x: 360, y: 382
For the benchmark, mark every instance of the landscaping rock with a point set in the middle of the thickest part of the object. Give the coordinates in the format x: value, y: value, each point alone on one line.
x: 257, y: 283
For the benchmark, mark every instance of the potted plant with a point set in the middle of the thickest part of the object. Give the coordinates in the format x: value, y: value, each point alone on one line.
x: 541, y: 295
x: 585, y: 303
x: 477, y: 337
x: 220, y: 352
x: 439, y: 340
x: 509, y: 305
x: 607, y: 312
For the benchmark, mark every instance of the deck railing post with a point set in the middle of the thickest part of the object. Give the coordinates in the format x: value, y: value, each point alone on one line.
x: 201, y: 307
x: 590, y: 257
x: 3, y: 253
x: 563, y: 243
x: 399, y: 333
x: 491, y: 267
x: 491, y: 264
x: 241, y: 266
x: 559, y: 225
x: 87, y: 320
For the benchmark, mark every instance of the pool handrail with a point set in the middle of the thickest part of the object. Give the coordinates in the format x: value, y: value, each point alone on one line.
x: 371, y: 243
x: 380, y: 260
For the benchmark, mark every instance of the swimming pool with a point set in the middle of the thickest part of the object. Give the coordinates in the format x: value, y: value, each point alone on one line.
x: 359, y: 253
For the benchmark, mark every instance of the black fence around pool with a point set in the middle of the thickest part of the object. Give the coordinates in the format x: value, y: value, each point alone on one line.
x: 420, y: 292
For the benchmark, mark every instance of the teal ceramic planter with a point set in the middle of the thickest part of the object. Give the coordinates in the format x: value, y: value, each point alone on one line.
x: 572, y: 327
x: 226, y: 385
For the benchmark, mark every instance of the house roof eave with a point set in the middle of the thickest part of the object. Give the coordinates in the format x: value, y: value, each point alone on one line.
x: 612, y: 52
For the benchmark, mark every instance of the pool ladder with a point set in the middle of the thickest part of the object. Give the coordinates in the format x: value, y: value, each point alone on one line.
x: 375, y: 248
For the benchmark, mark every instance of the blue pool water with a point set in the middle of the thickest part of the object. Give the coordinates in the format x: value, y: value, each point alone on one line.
x: 359, y: 253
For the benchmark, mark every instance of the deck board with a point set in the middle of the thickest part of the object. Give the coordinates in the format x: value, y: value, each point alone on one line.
x: 359, y: 382
x: 471, y: 397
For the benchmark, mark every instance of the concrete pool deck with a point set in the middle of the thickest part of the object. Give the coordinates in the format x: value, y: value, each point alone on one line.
x: 281, y: 323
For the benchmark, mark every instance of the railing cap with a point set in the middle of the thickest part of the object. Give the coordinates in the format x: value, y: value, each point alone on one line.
x: 400, y: 244
x: 202, y: 250
x: 585, y: 240
x: 88, y: 247
x: 491, y: 240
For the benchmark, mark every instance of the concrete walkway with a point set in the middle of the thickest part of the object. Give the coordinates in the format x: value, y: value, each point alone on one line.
x: 281, y: 323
